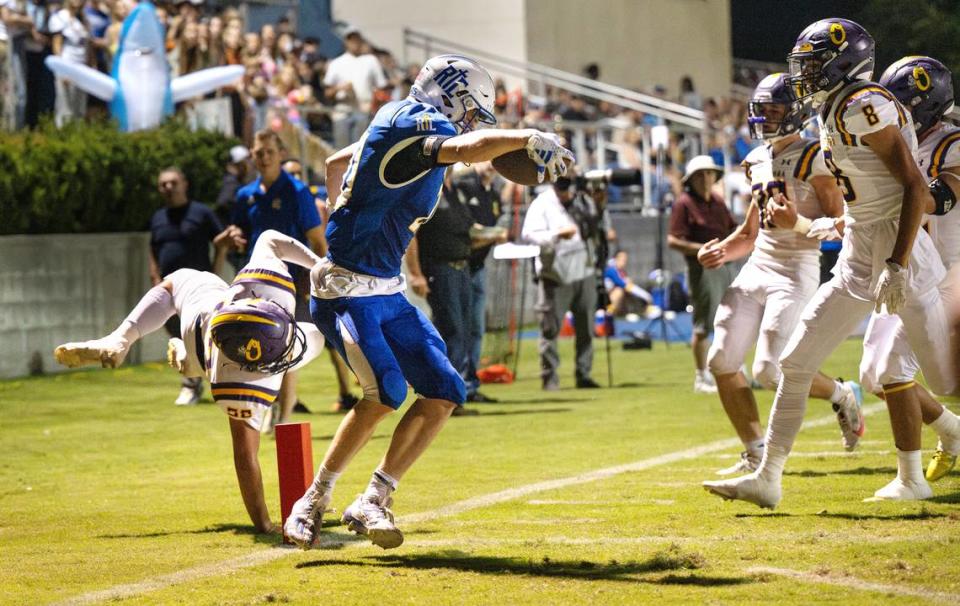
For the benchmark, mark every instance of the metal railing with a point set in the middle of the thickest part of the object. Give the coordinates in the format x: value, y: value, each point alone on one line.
x: 540, y: 77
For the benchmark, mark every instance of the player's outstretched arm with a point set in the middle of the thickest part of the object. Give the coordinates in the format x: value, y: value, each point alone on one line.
x: 337, y: 165
x: 246, y: 443
x: 483, y: 145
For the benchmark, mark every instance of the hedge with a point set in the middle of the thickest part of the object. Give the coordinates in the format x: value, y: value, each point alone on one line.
x: 90, y: 177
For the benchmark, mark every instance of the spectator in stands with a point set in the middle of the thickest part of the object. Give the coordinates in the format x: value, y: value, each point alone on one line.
x: 699, y: 216
x: 71, y: 41
x: 624, y: 294
x: 238, y: 172
x: 275, y: 200
x: 688, y: 94
x: 481, y: 189
x: 40, y: 86
x: 559, y: 221
x: 17, y: 29
x: 180, y: 237
x: 351, y: 81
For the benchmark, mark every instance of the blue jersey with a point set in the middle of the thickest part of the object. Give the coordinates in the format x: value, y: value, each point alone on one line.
x: 381, y: 205
x: 287, y: 206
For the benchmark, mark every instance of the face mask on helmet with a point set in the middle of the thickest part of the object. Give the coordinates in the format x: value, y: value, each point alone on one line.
x: 924, y: 86
x: 773, y: 111
x: 259, y: 335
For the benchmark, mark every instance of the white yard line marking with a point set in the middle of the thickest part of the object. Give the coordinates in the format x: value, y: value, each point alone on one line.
x: 858, y: 584
x: 275, y: 553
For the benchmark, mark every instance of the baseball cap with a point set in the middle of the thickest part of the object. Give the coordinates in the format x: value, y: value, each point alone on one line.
x: 238, y: 153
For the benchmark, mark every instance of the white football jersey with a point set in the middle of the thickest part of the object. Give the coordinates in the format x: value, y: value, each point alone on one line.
x: 787, y: 173
x: 870, y: 192
x: 940, y: 151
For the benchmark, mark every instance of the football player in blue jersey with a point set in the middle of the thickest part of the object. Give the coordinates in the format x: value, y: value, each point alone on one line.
x: 385, y: 186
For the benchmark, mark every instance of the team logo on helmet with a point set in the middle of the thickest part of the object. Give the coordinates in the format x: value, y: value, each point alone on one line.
x: 258, y: 334
x: 838, y: 35
x: 921, y: 78
x: 924, y: 86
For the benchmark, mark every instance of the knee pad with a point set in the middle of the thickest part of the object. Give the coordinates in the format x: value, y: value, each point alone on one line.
x: 767, y: 374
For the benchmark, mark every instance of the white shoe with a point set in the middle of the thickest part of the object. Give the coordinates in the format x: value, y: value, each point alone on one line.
x: 189, y: 395
x: 369, y: 517
x: 751, y: 488
x: 108, y: 352
x: 902, y: 490
x: 702, y: 385
x: 746, y: 464
x: 850, y: 415
x: 303, y: 525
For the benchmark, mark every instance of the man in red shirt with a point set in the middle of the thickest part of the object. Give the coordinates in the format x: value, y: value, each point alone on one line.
x: 700, y: 215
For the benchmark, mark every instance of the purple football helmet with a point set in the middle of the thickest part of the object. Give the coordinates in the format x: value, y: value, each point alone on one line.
x: 924, y: 86
x: 258, y: 334
x: 774, y: 111
x: 828, y: 55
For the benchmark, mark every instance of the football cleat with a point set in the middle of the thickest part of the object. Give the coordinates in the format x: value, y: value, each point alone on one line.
x: 746, y: 464
x: 941, y: 464
x: 902, y: 490
x: 190, y: 392
x: 751, y: 488
x: 850, y: 415
x: 108, y: 352
x: 303, y: 525
x: 368, y: 517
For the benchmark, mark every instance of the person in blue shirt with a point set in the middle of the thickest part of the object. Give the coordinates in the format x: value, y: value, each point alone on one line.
x: 389, y: 184
x: 275, y: 200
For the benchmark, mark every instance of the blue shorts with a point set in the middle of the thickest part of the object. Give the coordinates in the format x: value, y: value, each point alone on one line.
x: 388, y: 343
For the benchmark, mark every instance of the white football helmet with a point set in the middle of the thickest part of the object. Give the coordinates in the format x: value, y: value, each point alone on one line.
x: 459, y: 87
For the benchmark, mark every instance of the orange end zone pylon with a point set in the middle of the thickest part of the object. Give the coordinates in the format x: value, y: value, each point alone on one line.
x: 294, y: 464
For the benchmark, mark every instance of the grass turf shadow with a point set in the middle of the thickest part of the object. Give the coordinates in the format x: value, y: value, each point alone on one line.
x: 856, y: 471
x: 236, y: 529
x: 665, y: 561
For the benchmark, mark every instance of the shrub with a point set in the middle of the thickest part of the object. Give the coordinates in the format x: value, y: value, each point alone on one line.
x: 90, y: 177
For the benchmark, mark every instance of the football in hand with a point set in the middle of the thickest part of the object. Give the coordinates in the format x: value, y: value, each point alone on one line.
x: 517, y: 166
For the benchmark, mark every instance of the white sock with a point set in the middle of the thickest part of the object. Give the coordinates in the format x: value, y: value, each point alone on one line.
x: 754, y: 448
x: 838, y: 393
x: 786, y: 417
x: 325, y: 480
x: 380, y: 486
x: 910, y: 466
x: 150, y: 314
x: 947, y: 427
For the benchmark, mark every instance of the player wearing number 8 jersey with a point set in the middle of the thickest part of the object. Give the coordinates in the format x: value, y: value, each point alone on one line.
x: 391, y: 183
x: 868, y: 138
x: 789, y: 180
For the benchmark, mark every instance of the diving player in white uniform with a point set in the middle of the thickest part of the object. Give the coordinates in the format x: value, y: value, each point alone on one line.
x: 925, y: 87
x: 242, y: 337
x: 868, y: 141
x: 791, y: 182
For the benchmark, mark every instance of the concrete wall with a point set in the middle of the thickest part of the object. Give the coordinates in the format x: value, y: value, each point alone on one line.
x: 493, y: 25
x: 60, y: 288
x: 637, y: 43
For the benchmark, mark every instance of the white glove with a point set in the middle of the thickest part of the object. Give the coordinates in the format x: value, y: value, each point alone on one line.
x: 824, y: 228
x: 550, y: 156
x: 892, y: 288
x: 176, y: 354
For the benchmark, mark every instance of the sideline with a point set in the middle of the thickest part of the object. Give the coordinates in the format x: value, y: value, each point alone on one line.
x: 270, y: 554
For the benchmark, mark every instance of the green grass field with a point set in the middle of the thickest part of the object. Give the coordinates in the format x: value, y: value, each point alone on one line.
x: 112, y: 494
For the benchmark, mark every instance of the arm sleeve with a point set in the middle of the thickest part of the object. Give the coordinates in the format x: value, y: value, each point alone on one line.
x: 678, y: 221
x: 273, y: 247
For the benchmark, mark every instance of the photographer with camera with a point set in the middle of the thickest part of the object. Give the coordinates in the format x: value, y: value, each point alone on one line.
x: 700, y: 215
x: 563, y: 220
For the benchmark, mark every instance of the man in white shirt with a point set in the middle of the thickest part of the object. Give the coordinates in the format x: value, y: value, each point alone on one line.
x: 557, y: 221
x: 350, y: 83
